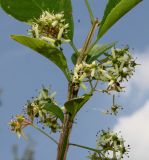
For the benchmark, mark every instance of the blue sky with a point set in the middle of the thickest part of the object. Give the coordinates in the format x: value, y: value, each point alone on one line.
x: 23, y: 72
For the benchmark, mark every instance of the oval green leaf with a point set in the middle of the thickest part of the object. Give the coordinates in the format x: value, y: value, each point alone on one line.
x: 115, y: 9
x: 74, y: 58
x: 75, y: 104
x: 98, y: 50
x: 46, y: 50
x: 54, y: 109
x: 26, y: 10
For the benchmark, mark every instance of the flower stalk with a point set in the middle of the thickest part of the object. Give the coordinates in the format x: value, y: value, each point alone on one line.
x: 67, y: 126
x: 73, y: 92
x: 47, y: 135
x: 90, y: 11
x: 87, y: 42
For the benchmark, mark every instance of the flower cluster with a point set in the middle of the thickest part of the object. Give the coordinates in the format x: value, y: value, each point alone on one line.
x: 36, y: 109
x: 113, y: 110
x: 50, y: 27
x: 114, y: 69
x: 118, y: 67
x: 84, y: 70
x: 18, y: 123
x: 110, y: 146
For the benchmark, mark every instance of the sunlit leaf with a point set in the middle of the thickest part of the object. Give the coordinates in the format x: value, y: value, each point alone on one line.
x: 74, y: 58
x: 115, y: 9
x: 26, y: 10
x: 46, y: 50
x: 98, y: 50
x: 54, y: 109
x: 75, y: 104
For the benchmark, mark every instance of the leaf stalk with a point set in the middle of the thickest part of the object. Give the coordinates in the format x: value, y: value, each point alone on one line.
x: 90, y: 11
x: 47, y: 135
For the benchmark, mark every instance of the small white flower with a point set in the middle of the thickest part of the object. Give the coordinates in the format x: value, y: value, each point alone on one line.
x: 54, y: 23
x: 51, y: 26
x: 111, y: 83
x: 60, y: 33
x: 93, y: 72
x: 48, y: 39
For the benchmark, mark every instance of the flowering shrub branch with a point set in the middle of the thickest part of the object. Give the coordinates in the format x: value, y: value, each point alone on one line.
x: 50, y: 27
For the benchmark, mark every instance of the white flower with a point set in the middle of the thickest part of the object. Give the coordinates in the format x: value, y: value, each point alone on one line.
x: 51, y: 28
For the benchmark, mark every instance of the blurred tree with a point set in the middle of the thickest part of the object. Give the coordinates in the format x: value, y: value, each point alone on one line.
x: 27, y: 155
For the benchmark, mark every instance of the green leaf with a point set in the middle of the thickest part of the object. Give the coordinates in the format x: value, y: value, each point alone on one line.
x: 95, y: 52
x: 98, y: 50
x: 115, y: 9
x: 46, y: 50
x: 53, y: 108
x: 74, y: 58
x: 75, y: 104
x: 26, y: 10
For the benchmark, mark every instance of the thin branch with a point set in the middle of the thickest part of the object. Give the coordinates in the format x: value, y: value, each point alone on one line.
x: 73, y: 47
x: 90, y: 11
x: 84, y: 147
x: 95, y: 85
x: 87, y: 42
x: 88, y: 148
x: 96, y: 40
x: 102, y: 91
x: 40, y: 130
x: 91, y: 85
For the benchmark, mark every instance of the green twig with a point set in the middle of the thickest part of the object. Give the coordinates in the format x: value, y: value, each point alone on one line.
x: 87, y: 42
x: 88, y: 148
x: 94, y: 88
x: 91, y: 85
x: 90, y: 11
x: 85, y: 147
x: 74, y: 47
x: 40, y: 130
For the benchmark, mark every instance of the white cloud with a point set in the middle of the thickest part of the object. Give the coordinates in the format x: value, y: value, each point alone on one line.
x: 135, y: 130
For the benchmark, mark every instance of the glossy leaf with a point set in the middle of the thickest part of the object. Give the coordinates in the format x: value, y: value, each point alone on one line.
x: 98, y: 50
x: 53, y: 108
x: 74, y: 58
x: 75, y: 104
x: 46, y: 50
x: 26, y: 10
x: 115, y: 9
